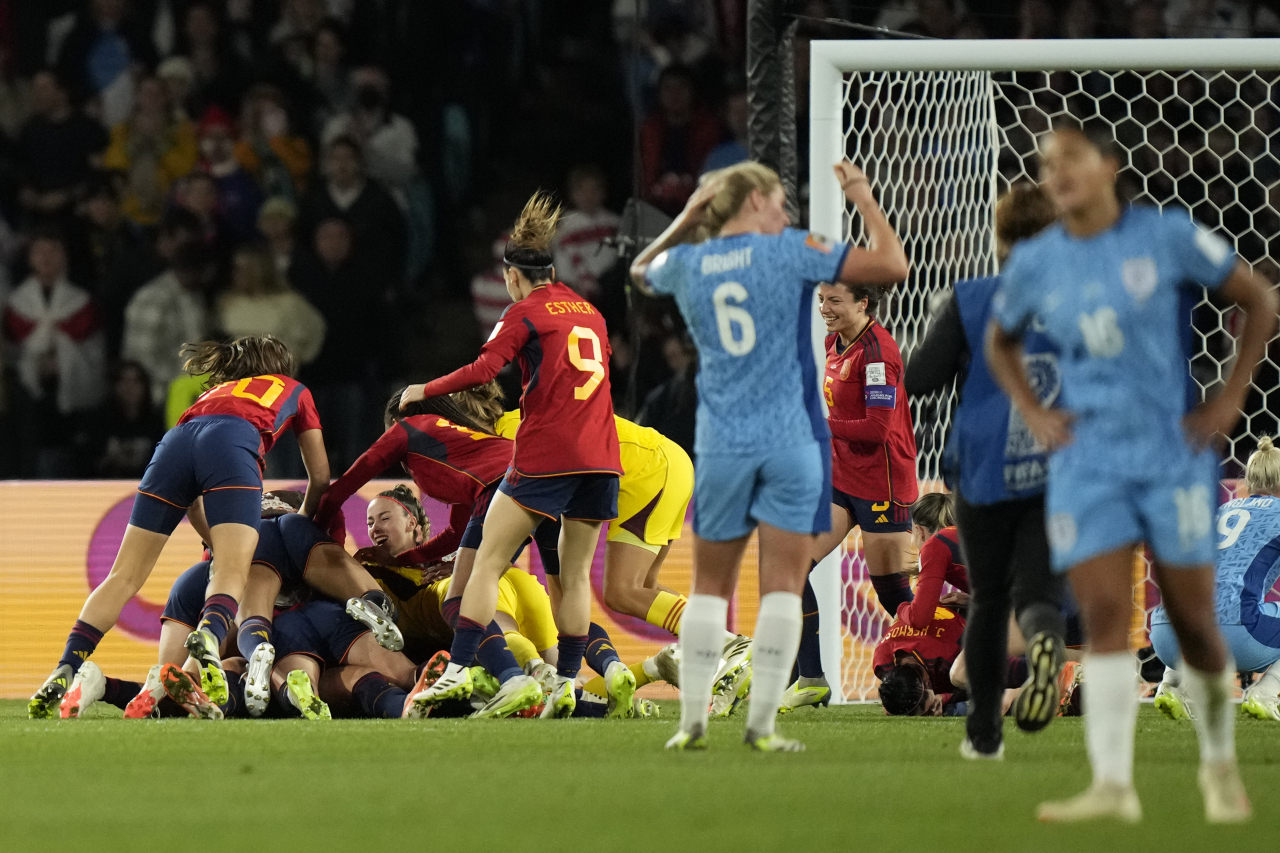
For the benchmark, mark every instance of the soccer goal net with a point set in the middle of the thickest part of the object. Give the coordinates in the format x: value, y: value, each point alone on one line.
x: 943, y: 128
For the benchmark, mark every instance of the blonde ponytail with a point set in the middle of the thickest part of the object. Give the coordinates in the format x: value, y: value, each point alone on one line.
x: 529, y: 247
x: 1262, y: 474
x: 735, y: 184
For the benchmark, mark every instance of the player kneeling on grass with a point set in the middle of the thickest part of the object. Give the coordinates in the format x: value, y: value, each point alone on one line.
x: 1247, y: 567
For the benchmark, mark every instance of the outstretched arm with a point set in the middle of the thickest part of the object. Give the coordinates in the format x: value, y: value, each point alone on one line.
x: 883, y: 262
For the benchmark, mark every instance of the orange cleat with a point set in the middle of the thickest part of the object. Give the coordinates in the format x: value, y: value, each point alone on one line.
x: 434, y: 668
x: 143, y: 706
x: 182, y: 688
x: 1069, y: 680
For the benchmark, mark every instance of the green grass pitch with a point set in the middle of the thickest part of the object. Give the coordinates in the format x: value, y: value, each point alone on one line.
x: 867, y: 782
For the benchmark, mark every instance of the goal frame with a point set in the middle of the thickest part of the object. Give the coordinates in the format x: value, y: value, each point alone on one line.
x: 831, y: 60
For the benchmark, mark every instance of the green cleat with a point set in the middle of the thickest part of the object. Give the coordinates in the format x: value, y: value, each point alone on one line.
x: 1170, y: 702
x: 309, y: 704
x: 771, y: 743
x: 560, y: 701
x: 1261, y: 707
x: 806, y: 692
x: 1038, y: 701
x: 484, y: 686
x: 622, y: 689
x: 203, y: 647
x: 644, y: 709
x: 519, y: 694
x: 454, y: 683
x: 48, y: 699
x: 683, y: 741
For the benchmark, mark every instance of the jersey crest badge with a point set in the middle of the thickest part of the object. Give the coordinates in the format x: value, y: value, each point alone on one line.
x: 817, y: 241
x: 1139, y: 277
x: 846, y: 369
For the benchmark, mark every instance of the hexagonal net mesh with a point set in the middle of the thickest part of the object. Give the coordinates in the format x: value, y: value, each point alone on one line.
x: 939, y: 148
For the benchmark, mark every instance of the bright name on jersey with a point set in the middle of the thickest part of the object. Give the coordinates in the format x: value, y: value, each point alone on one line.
x: 737, y: 259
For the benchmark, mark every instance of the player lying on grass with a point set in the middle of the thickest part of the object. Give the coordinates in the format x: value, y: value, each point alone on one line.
x: 397, y: 524
x: 210, y: 463
x: 1247, y: 568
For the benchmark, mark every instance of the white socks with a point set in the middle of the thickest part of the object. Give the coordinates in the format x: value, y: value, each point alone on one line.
x: 773, y: 654
x: 702, y: 632
x: 1215, y: 715
x: 1110, y: 714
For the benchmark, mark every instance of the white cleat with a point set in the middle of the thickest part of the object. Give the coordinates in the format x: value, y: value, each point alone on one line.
x: 88, y: 687
x: 667, y: 662
x: 519, y: 694
x: 1172, y: 702
x: 1100, y: 801
x: 455, y: 683
x: 1225, y: 800
x: 560, y: 701
x: 733, y: 681
x: 542, y: 672
x: 378, y: 621
x: 683, y: 741
x: 257, y: 680
x: 1255, y: 705
x: 771, y: 742
x: 969, y: 751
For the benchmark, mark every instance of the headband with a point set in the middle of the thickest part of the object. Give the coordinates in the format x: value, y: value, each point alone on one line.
x: 408, y: 511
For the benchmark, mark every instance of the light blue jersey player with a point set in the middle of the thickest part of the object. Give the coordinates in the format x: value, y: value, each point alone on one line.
x: 1112, y: 287
x: 763, y: 448
x: 1248, y: 566
x: 1118, y: 308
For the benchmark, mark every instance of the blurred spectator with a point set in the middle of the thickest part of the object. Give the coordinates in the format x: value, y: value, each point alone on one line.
x: 330, y: 77
x: 261, y: 302
x: 970, y: 27
x: 117, y: 255
x: 220, y: 76
x: 299, y: 20
x: 335, y: 279
x: 153, y: 149
x: 579, y: 253
x: 278, y: 160
x: 674, y: 142
x: 237, y: 193
x: 57, y: 148
x: 489, y: 296
x: 936, y: 18
x: 1037, y: 19
x: 276, y: 224
x: 734, y: 149
x: 672, y: 407
x: 198, y: 194
x: 1082, y: 20
x: 179, y: 79
x: 166, y: 313
x: 1208, y: 18
x: 117, y: 439
x: 1146, y: 20
x: 55, y: 336
x: 376, y: 221
x: 388, y: 140
x: 101, y: 54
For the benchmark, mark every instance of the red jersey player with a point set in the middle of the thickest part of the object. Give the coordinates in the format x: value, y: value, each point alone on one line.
x: 566, y: 462
x: 211, y: 462
x: 940, y: 560
x: 914, y: 665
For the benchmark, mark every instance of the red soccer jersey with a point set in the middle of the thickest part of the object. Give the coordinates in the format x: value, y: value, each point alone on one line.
x: 940, y: 562
x: 271, y: 403
x: 449, y: 463
x: 873, y: 445
x: 566, y: 409
x: 937, y: 646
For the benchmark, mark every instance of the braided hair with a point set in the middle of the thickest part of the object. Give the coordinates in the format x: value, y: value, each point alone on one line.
x: 409, y: 502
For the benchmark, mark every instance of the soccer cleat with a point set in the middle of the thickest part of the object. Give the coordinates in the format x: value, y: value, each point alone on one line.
x: 257, y: 680
x: 1256, y: 706
x: 182, y: 688
x: 729, y: 692
x: 643, y: 708
x: 203, y: 646
x: 771, y: 742
x: 1225, y: 800
x: 483, y: 686
x: 971, y: 752
x: 49, y: 696
x: 560, y: 701
x: 622, y: 689
x: 1101, y: 800
x: 87, y: 687
x: 542, y: 672
x: 519, y: 694
x: 143, y: 706
x: 1170, y: 702
x: 435, y: 667
x: 1039, y: 699
x: 667, y: 662
x: 1068, y: 685
x: 378, y: 621
x: 453, y: 683
x: 683, y: 741
x: 304, y: 697
x: 816, y: 693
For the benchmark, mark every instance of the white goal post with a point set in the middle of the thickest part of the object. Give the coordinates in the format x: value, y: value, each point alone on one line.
x: 943, y: 127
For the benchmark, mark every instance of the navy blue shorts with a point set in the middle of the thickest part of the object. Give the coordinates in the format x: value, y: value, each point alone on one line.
x: 320, y: 630
x: 874, y: 516
x: 186, y: 598
x: 475, y: 526
x: 285, y: 544
x: 579, y: 497
x: 215, y: 456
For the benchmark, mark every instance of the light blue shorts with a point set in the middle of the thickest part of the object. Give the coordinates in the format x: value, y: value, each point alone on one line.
x: 789, y: 488
x: 1249, y: 654
x: 1089, y: 514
